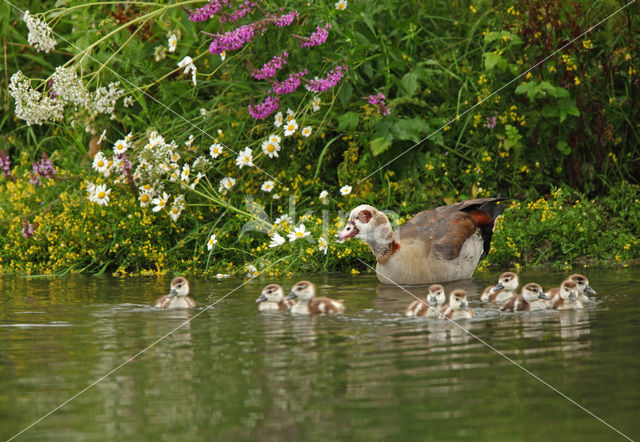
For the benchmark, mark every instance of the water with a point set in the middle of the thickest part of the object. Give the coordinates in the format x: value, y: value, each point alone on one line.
x: 233, y: 373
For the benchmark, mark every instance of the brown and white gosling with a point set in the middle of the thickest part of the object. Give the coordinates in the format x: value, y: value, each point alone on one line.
x: 178, y: 295
x: 567, y: 298
x: 528, y: 300
x: 582, y: 287
x: 505, y: 290
x: 272, y: 298
x: 436, y: 298
x: 308, y: 304
x: 457, y: 308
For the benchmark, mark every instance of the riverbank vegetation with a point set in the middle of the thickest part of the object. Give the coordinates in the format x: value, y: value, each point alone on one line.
x: 228, y: 137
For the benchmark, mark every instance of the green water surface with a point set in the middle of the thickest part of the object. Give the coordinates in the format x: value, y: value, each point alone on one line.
x: 234, y: 373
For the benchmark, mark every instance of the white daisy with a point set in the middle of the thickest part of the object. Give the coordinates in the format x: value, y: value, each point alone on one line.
x: 273, y: 138
x: 298, y: 232
x: 212, y: 241
x: 345, y: 190
x: 267, y: 186
x: 278, y: 120
x: 189, y: 141
x: 322, y: 245
x: 176, y: 209
x: 306, y: 131
x: 215, y: 149
x: 101, y: 195
x: 173, y: 42
x: 270, y: 148
x: 324, y: 195
x: 290, y: 128
x: 223, y: 55
x: 127, y: 139
x: 282, y: 219
x: 196, y: 180
x: 91, y: 188
x: 245, y: 158
x: 341, y: 5
x: 226, y: 184
x: 120, y: 146
x: 160, y: 202
x: 144, y: 198
x: 184, y: 176
x: 100, y: 163
x: 290, y: 115
x: 276, y: 240
x: 315, y: 104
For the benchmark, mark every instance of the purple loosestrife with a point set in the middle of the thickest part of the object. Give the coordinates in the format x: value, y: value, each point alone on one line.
x: 271, y: 68
x: 28, y: 229
x: 208, y: 10
x: 290, y: 84
x: 45, y: 167
x: 5, y: 165
x: 322, y: 84
x: 232, y: 40
x: 264, y: 109
x: 242, y: 10
x: 285, y: 19
x: 317, y: 38
x: 378, y: 100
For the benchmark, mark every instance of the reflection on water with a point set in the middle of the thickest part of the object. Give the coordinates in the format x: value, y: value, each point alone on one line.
x: 236, y: 373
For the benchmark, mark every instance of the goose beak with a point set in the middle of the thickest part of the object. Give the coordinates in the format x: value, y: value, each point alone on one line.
x: 464, y: 306
x: 262, y: 298
x: 349, y: 231
x: 499, y: 286
x: 572, y: 296
x: 172, y: 293
x: 543, y: 296
x: 292, y: 296
x: 433, y: 301
x: 588, y: 290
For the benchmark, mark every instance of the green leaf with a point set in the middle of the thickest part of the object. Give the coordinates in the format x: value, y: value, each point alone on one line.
x: 491, y: 60
x: 348, y: 120
x: 380, y: 144
x: 563, y: 147
x: 410, y: 129
x: 528, y: 88
x: 409, y: 84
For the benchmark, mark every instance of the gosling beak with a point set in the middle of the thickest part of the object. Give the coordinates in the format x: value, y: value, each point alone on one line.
x: 172, y: 293
x: 349, y: 231
x: 572, y: 296
x: 262, y: 298
x: 588, y: 290
x: 543, y: 296
x: 433, y: 301
x: 292, y: 296
x: 464, y: 306
x: 499, y: 286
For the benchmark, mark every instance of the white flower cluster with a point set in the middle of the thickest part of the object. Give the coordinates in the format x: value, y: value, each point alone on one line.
x: 104, y: 100
x: 69, y: 87
x: 39, y: 33
x: 32, y: 106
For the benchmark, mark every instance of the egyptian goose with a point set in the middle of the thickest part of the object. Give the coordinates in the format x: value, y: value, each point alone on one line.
x: 582, y: 287
x: 430, y: 309
x: 527, y: 300
x: 441, y: 244
x: 308, y: 304
x: 457, y: 308
x: 505, y: 290
x: 567, y: 297
x: 272, y: 298
x: 178, y: 295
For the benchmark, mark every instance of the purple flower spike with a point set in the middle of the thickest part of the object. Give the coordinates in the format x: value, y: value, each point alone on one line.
x: 28, y: 229
x: 378, y: 100
x: 232, y: 40
x: 332, y: 79
x: 271, y: 68
x: 264, y: 109
x: 45, y: 167
x: 290, y: 84
x: 208, y: 10
x: 5, y: 165
x: 286, y: 19
x: 317, y: 38
x: 242, y: 10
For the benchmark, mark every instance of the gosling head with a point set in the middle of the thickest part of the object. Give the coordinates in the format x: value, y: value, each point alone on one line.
x: 271, y: 293
x: 179, y: 287
x: 568, y: 290
x: 302, y: 290
x: 436, y: 295
x: 532, y: 292
x: 368, y: 224
x: 458, y: 300
x: 582, y: 284
x: 507, y: 281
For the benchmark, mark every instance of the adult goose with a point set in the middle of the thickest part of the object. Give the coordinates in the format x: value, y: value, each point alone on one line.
x: 437, y: 245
